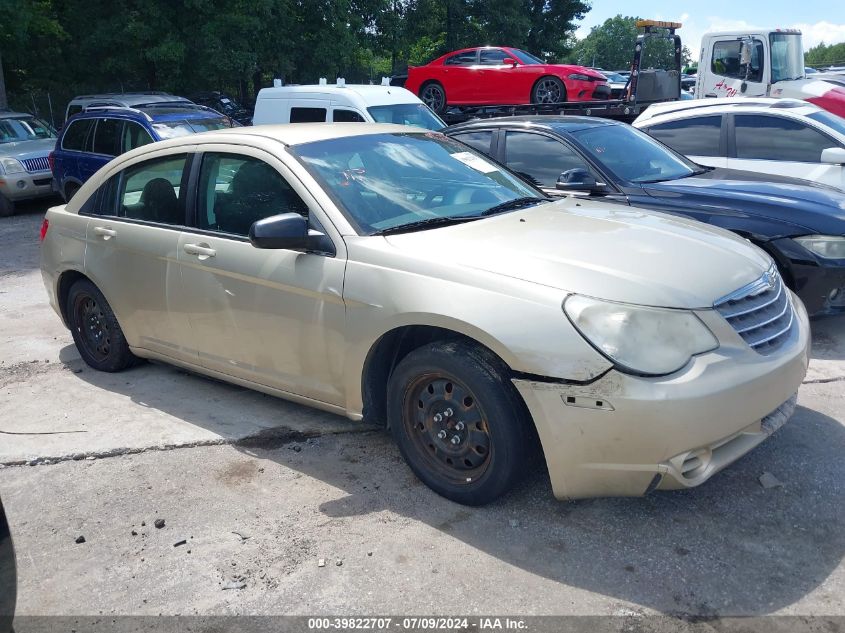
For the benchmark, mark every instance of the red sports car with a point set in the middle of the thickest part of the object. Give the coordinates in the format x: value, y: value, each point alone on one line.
x: 501, y: 76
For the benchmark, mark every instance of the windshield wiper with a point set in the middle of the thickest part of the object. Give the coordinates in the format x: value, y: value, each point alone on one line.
x: 511, y: 205
x: 428, y: 223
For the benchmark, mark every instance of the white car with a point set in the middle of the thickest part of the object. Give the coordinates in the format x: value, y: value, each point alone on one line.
x: 784, y: 137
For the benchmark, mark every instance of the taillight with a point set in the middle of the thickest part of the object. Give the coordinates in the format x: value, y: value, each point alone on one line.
x: 44, y: 226
x: 51, y: 160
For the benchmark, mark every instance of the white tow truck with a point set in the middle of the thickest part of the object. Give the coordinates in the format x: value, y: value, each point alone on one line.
x: 763, y: 63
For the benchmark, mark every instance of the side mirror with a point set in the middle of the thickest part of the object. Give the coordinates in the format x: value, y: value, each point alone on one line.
x: 578, y: 179
x: 287, y: 230
x: 510, y: 61
x: 834, y: 155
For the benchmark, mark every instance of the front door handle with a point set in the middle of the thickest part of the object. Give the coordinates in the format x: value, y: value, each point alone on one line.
x: 203, y: 250
x: 106, y: 232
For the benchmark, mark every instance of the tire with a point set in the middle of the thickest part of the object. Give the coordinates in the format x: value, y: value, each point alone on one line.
x: 548, y: 90
x: 433, y: 95
x: 95, y: 329
x: 70, y: 191
x: 449, y: 390
x: 7, y: 207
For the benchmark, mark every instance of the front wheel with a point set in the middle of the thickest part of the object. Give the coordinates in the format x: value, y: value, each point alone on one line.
x: 434, y: 96
x: 548, y: 90
x: 458, y: 422
x: 95, y: 329
x: 7, y: 207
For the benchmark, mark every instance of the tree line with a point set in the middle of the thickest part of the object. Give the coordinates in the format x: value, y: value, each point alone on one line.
x: 68, y: 47
x: 825, y: 55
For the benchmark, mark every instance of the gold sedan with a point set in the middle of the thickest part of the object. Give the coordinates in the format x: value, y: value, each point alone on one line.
x: 391, y: 274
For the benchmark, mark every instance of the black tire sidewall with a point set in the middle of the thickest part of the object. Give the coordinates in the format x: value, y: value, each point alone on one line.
x: 507, y: 423
x: 439, y: 86
x: 7, y: 207
x: 119, y: 356
x: 537, y: 84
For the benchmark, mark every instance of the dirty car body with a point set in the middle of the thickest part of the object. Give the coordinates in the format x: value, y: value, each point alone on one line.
x: 389, y: 274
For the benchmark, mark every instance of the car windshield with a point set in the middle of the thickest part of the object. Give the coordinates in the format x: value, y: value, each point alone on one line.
x: 385, y: 181
x: 24, y: 128
x: 172, y: 129
x: 526, y: 58
x: 787, y: 56
x: 830, y: 120
x: 632, y: 155
x: 416, y: 114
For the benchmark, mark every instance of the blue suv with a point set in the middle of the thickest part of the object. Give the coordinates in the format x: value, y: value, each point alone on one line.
x: 92, y: 138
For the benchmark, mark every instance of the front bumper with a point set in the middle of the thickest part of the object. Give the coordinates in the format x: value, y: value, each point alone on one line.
x: 25, y: 185
x: 625, y: 435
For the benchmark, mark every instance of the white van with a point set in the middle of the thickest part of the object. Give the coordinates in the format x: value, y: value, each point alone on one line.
x: 343, y: 103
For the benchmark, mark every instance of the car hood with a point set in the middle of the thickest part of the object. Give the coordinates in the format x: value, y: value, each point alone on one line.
x: 807, y: 206
x: 565, y: 69
x: 602, y: 250
x: 28, y: 149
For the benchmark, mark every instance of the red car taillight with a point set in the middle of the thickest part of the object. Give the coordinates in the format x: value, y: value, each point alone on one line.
x: 44, y: 226
x: 51, y: 160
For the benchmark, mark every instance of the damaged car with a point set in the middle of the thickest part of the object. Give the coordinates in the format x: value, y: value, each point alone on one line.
x: 393, y: 275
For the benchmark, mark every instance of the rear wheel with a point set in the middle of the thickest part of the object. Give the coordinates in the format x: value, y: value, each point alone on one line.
x: 548, y: 90
x: 458, y: 422
x: 434, y: 96
x: 95, y: 329
x: 7, y: 207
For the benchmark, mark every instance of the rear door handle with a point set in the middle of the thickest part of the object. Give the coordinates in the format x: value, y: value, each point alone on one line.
x: 203, y: 250
x: 105, y: 232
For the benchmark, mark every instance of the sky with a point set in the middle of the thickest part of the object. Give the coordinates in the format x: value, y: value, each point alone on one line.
x: 819, y: 20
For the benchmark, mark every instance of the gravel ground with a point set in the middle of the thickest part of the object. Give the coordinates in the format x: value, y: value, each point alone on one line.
x: 285, y: 510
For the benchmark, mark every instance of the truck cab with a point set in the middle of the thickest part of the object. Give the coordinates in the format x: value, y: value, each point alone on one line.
x: 762, y: 63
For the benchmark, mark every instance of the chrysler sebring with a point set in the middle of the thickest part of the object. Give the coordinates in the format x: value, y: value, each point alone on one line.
x: 394, y: 275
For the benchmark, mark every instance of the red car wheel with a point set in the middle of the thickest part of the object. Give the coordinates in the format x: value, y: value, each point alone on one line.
x: 434, y: 96
x: 548, y: 90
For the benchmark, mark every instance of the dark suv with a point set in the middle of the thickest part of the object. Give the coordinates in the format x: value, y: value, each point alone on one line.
x: 91, y: 139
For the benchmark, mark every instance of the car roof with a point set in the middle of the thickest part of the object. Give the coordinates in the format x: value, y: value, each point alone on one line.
x: 564, y: 124
x: 166, y: 111
x: 129, y: 98
x: 369, y: 94
x: 726, y: 104
x: 8, y: 114
x: 294, y: 133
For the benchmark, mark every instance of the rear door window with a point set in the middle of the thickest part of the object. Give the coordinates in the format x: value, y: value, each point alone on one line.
x: 467, y: 58
x: 479, y: 140
x: 307, y: 115
x: 75, y: 134
x: 154, y: 191
x: 766, y: 137
x: 107, y: 136
x: 492, y: 56
x: 697, y: 136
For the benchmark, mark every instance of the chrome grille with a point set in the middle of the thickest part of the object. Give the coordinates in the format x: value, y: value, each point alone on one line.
x: 760, y: 312
x: 36, y: 164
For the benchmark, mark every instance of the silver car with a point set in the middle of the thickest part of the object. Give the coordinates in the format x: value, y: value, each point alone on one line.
x: 391, y: 274
x: 25, y: 145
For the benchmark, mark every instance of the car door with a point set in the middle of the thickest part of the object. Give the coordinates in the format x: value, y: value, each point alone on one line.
x: 783, y: 146
x: 103, y: 146
x: 461, y: 78
x: 273, y: 317
x: 131, y: 247
x: 733, y: 74
x: 496, y: 78
x: 702, y: 139
x: 71, y: 153
x: 542, y: 159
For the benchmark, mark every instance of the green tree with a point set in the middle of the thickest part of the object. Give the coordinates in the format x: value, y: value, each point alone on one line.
x: 823, y: 55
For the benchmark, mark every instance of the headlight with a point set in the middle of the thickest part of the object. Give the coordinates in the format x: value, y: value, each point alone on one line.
x: 10, y: 166
x: 580, y: 77
x: 827, y: 246
x: 638, y: 339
